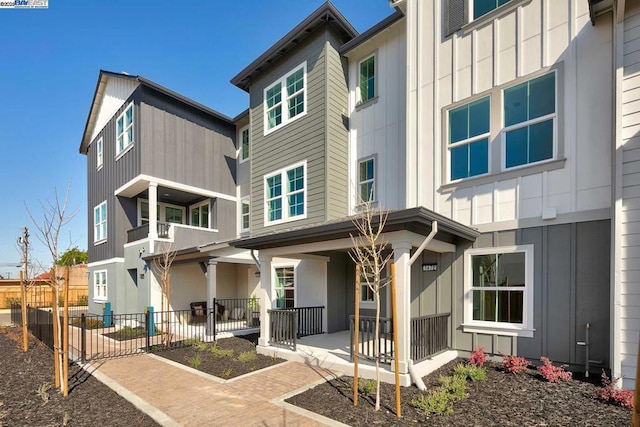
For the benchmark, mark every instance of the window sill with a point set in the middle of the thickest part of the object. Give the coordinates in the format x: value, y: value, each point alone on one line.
x: 495, y: 13
x: 498, y: 330
x: 100, y: 300
x: 504, y: 175
x: 99, y: 242
x: 125, y: 151
x: 284, y: 221
x: 367, y: 103
x: 283, y: 124
x: 241, y: 160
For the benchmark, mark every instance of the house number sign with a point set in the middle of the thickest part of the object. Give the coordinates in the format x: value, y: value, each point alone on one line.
x: 429, y: 267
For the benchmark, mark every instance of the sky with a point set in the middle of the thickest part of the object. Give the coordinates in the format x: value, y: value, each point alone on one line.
x: 49, y: 64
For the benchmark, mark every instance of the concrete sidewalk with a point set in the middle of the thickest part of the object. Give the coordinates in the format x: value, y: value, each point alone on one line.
x: 175, y: 395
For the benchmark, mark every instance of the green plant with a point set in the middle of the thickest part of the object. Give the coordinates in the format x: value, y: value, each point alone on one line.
x: 194, y: 361
x: 366, y: 386
x: 473, y: 372
x: 227, y: 372
x: 12, y: 300
x: 247, y: 356
x: 435, y: 402
x: 43, y: 392
x: 89, y: 323
x: 219, y: 352
x: 253, y: 302
x: 456, y: 386
x: 200, y: 346
x: 83, y: 300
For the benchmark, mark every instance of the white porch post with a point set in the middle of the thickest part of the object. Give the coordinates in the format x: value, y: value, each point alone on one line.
x: 266, y: 302
x: 401, y: 256
x: 211, y: 292
x: 153, y: 210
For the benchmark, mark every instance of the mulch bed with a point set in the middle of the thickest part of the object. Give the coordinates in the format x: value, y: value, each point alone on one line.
x: 503, y: 400
x: 223, y: 366
x: 89, y: 402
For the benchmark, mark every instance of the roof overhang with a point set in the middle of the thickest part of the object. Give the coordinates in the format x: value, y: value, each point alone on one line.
x: 600, y: 7
x: 325, y: 14
x: 416, y: 220
x: 354, y: 43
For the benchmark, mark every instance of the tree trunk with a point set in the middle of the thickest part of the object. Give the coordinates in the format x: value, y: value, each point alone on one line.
x: 56, y: 338
x: 25, y: 333
x: 376, y: 346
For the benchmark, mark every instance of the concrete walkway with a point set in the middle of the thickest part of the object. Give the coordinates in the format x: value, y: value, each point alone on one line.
x: 175, y: 395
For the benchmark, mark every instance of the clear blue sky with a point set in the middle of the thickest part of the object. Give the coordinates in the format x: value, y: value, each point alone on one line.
x: 49, y: 63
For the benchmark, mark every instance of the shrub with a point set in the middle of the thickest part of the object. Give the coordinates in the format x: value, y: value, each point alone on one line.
x: 194, y: 361
x: 366, y: 386
x: 611, y: 394
x: 218, y: 352
x: 473, y: 372
x: 435, y: 402
x: 247, y: 356
x: 200, y: 346
x: 553, y: 374
x: 456, y: 386
x: 514, y: 364
x: 83, y: 300
x: 227, y: 372
x: 90, y: 323
x: 478, y: 357
x: 13, y: 300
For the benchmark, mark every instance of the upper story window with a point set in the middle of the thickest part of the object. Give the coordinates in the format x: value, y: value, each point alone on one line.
x: 100, y: 223
x: 165, y: 212
x: 468, y: 144
x: 244, y: 144
x: 200, y: 215
x: 366, y: 180
x: 100, y: 285
x: 529, y: 121
x: 99, y: 155
x: 285, y: 194
x: 244, y: 215
x: 482, y: 7
x: 124, y: 130
x: 285, y: 99
x: 367, y: 81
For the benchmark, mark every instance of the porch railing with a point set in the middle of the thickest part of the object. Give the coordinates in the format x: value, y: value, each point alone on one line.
x: 309, y: 321
x: 366, y: 338
x: 142, y: 232
x: 284, y: 325
x: 234, y: 314
x: 429, y: 335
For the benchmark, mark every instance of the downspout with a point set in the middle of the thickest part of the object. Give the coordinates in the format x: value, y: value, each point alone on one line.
x: 255, y: 259
x: 434, y: 230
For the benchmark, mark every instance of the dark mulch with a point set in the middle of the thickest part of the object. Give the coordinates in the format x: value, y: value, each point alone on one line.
x: 89, y: 402
x: 223, y: 366
x: 503, y: 400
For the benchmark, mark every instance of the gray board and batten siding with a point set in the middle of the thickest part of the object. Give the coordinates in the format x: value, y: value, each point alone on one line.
x: 571, y: 288
x: 319, y: 137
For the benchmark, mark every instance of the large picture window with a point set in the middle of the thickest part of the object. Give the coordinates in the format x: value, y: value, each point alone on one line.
x: 285, y: 99
x: 468, y: 146
x: 100, y: 285
x: 285, y: 287
x: 285, y: 195
x: 100, y: 223
x: 124, y: 130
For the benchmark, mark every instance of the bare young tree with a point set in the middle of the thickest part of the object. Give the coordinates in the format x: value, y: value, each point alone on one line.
x: 370, y: 253
x: 54, y: 217
x: 162, y: 267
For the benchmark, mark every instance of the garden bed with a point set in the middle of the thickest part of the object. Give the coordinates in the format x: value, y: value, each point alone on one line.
x: 502, y: 400
x: 227, y: 358
x: 25, y: 399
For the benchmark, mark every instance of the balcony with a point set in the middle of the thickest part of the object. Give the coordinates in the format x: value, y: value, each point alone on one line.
x: 183, y: 236
x: 142, y: 232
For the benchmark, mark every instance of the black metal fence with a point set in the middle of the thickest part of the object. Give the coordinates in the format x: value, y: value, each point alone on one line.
x: 367, y: 338
x: 283, y: 328
x: 429, y: 335
x: 236, y: 314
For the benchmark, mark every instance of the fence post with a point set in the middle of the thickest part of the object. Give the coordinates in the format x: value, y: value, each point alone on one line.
x: 295, y: 329
x: 147, y: 317
x: 83, y: 338
x: 215, y: 315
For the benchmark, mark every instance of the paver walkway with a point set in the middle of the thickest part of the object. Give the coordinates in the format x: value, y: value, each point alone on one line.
x: 190, y: 399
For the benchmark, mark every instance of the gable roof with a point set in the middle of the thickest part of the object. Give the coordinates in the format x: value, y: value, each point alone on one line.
x: 325, y: 14
x: 99, y: 93
x: 371, y: 32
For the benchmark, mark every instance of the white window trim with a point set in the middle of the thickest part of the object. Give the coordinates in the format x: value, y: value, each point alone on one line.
x: 375, y: 172
x: 199, y: 205
x: 504, y: 129
x: 97, y: 241
x: 243, y: 201
x: 242, y: 159
x: 295, y: 281
x: 359, y: 100
x: 96, y: 296
x: 467, y: 141
x: 510, y: 329
x: 161, y: 211
x: 127, y: 147
x: 285, y: 200
x: 472, y: 19
x: 99, y: 153
x: 284, y: 98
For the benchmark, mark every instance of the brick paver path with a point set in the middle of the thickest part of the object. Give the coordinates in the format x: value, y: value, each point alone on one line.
x: 192, y: 400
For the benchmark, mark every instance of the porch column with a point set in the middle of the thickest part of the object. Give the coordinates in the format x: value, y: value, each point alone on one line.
x: 211, y: 292
x: 401, y: 256
x: 153, y: 210
x: 266, y: 302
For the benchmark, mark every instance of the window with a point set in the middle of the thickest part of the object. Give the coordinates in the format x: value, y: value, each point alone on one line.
x: 285, y: 194
x: 200, y: 215
x: 244, y: 144
x: 165, y: 213
x: 100, y: 285
x: 99, y: 153
x: 279, y: 108
x: 367, y: 85
x: 244, y: 215
x: 499, y: 284
x: 124, y: 130
x: 100, y: 222
x: 285, y: 287
x: 366, y: 180
x: 529, y: 121
x: 482, y: 7
x: 468, y: 144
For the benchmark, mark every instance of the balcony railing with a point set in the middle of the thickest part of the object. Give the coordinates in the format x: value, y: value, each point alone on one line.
x: 429, y: 335
x: 142, y: 232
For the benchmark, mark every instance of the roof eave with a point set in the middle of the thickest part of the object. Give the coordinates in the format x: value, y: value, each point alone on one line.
x: 371, y: 32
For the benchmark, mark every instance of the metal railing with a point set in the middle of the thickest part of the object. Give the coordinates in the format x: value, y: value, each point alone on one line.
x: 429, y: 335
x: 142, y: 232
x: 309, y: 321
x: 284, y: 325
x: 367, y: 337
x: 235, y: 314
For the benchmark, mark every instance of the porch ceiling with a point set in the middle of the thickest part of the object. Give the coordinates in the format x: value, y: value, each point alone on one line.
x: 416, y: 220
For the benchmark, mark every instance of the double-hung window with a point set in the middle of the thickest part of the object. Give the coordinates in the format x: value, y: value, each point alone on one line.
x: 285, y: 99
x: 244, y: 215
x: 124, y: 129
x: 367, y: 85
x: 482, y: 7
x: 285, y: 194
x: 468, y: 144
x: 100, y: 285
x: 99, y: 153
x: 244, y: 144
x: 499, y: 284
x: 285, y: 287
x: 366, y: 180
x: 529, y: 121
x: 100, y: 222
